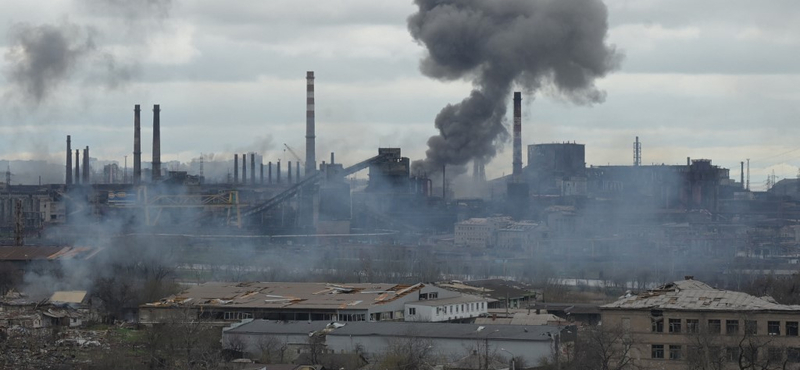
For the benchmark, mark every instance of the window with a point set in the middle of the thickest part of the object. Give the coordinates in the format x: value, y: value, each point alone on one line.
x: 412, y: 311
x: 732, y: 354
x: 674, y: 325
x: 675, y: 352
x: 751, y: 327
x: 657, y: 321
x: 791, y: 328
x: 775, y: 353
x: 714, y: 326
x: 793, y: 354
x: 732, y: 327
x: 657, y: 351
x: 692, y: 325
x: 774, y: 327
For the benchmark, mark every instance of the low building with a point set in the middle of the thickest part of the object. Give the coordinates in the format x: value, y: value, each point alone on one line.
x: 284, y: 301
x: 500, y: 293
x: 688, y: 324
x: 462, y: 308
x: 446, y: 341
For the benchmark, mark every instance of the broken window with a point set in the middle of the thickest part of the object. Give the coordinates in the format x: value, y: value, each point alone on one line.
x: 732, y: 354
x: 774, y: 327
x: 732, y: 327
x: 657, y: 321
x: 657, y: 351
x: 751, y: 327
x: 791, y: 328
x: 675, y: 352
x: 793, y: 354
x: 775, y: 353
x: 674, y: 325
x: 692, y: 325
x: 714, y: 326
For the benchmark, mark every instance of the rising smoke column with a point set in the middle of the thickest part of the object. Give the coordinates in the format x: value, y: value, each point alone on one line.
x: 495, y: 44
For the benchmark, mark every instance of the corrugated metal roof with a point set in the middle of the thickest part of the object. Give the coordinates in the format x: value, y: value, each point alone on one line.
x: 445, y: 301
x: 28, y: 253
x: 284, y: 294
x: 399, y: 329
x: 697, y: 296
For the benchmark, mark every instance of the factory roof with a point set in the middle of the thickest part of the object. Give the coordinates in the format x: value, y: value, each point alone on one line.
x: 697, y: 296
x: 495, y: 288
x: 402, y: 329
x: 281, y: 295
x: 28, y: 253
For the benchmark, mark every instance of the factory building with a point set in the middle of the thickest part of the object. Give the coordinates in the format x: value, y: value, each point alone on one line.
x: 690, y: 324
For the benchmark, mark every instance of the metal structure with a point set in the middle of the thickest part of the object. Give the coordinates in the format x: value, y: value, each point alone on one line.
x: 637, y: 152
x: 309, y: 180
x: 311, y: 156
x: 153, y: 206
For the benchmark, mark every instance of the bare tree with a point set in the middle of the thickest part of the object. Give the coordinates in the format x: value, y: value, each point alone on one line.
x: 407, y: 353
x: 603, y: 348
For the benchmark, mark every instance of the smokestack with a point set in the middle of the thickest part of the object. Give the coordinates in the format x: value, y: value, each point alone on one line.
x: 742, y: 173
x: 297, y: 172
x: 278, y: 174
x: 269, y: 173
x: 86, y: 170
x: 235, y: 168
x: 637, y: 152
x: 77, y: 166
x: 311, y: 156
x: 289, y: 173
x: 262, y: 173
x: 137, y: 145
x: 688, y: 161
x: 332, y: 159
x: 156, y: 142
x: 517, y: 161
x: 244, y: 169
x: 68, y: 180
x: 253, y: 168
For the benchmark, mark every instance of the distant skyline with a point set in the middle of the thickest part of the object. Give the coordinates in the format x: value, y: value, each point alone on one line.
x: 715, y: 79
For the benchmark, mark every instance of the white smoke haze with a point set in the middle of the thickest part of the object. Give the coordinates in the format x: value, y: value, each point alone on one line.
x: 497, y: 44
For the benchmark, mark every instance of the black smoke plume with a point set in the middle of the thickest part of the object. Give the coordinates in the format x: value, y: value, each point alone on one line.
x: 42, y: 58
x: 495, y: 44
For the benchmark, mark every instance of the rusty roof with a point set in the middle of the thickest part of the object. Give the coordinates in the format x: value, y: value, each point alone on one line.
x: 288, y: 294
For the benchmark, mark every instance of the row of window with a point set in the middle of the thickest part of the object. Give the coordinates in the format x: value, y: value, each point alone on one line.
x: 714, y: 326
x: 443, y: 310
x: 731, y: 354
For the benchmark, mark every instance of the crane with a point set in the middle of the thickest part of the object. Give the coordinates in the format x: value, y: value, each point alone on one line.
x: 294, y: 154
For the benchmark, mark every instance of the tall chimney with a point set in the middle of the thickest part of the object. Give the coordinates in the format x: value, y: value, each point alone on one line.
x: 77, y: 166
x: 156, y: 142
x: 297, y: 172
x: 137, y: 145
x: 235, y: 168
x: 86, y: 170
x: 332, y: 158
x: 278, y: 173
x: 289, y: 173
x: 742, y: 173
x: 244, y: 169
x: 311, y: 156
x: 262, y: 172
x: 253, y: 168
x: 269, y: 173
x: 637, y: 152
x: 68, y: 180
x: 517, y: 161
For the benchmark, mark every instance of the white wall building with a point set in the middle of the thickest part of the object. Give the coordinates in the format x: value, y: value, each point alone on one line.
x: 449, y: 309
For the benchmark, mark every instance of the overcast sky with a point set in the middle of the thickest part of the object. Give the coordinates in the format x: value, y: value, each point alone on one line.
x: 712, y: 79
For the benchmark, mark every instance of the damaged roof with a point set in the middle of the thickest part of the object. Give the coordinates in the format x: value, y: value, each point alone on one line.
x: 697, y: 296
x: 284, y: 294
x: 76, y: 296
x: 499, y: 289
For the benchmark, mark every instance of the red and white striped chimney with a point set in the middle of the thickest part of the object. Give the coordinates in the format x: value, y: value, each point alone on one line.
x: 311, y: 156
